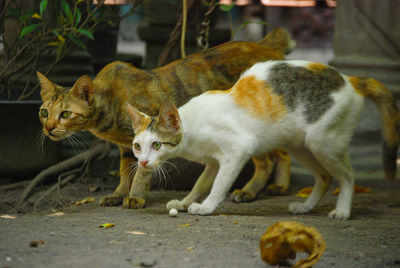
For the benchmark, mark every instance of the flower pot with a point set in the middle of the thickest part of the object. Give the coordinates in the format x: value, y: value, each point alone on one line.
x: 21, y: 152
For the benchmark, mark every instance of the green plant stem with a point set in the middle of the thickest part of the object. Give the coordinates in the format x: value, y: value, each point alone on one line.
x: 183, y: 31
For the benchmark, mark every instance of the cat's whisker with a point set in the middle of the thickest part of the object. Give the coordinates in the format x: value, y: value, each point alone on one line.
x: 75, y: 143
x: 173, y: 165
x: 40, y: 138
x: 84, y: 138
x: 131, y: 169
x: 164, y: 175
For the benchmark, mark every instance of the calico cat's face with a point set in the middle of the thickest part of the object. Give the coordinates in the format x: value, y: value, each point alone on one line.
x: 64, y: 111
x: 156, y: 139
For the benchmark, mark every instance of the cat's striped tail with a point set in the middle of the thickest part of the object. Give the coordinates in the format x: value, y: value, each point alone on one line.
x: 279, y: 39
x: 386, y: 104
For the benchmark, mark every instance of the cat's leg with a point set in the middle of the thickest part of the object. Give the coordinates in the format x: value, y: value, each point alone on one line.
x: 199, y: 191
x: 322, y: 181
x: 282, y: 173
x: 227, y: 174
x: 263, y: 167
x: 140, y: 187
x: 127, y: 158
x: 338, y: 164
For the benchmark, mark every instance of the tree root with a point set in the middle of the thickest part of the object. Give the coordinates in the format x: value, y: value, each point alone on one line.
x: 13, y: 186
x: 99, y: 150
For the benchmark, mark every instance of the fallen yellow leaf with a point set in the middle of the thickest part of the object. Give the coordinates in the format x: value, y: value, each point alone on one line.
x: 107, y: 225
x: 184, y: 225
x: 84, y: 201
x: 304, y: 192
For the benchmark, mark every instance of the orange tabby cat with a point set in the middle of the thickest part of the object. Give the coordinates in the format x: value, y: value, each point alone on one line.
x: 97, y: 106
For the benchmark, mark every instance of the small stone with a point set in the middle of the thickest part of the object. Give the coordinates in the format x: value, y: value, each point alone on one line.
x: 173, y: 212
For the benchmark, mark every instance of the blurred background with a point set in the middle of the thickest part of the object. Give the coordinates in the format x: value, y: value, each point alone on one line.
x: 68, y: 38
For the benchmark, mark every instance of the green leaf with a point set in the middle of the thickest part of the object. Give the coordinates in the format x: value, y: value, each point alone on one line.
x: 42, y: 7
x: 60, y: 51
x: 65, y: 7
x: 28, y: 29
x: 226, y: 8
x: 86, y: 33
x: 78, y: 16
x: 76, y: 41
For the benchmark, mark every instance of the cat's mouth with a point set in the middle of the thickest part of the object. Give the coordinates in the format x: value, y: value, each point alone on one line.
x: 55, y: 136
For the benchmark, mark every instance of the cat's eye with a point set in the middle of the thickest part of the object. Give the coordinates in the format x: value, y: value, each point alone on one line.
x: 65, y: 114
x: 156, y: 145
x: 44, y: 113
x: 136, y: 146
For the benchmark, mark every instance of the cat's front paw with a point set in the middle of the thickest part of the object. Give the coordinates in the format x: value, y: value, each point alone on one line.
x: 242, y: 196
x: 339, y: 214
x: 176, y: 204
x: 298, y: 208
x: 111, y: 201
x: 131, y: 202
x: 199, y: 209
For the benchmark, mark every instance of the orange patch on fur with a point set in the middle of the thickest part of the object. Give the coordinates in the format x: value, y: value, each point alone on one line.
x: 216, y: 92
x: 315, y: 66
x: 358, y: 84
x: 258, y: 99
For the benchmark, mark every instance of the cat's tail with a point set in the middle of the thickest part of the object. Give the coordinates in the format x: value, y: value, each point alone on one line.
x: 279, y: 39
x: 386, y: 104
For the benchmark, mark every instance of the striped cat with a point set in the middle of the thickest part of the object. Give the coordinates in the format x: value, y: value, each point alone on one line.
x: 308, y: 108
x: 97, y: 106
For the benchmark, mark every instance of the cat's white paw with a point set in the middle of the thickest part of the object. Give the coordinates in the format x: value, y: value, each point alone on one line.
x: 339, y: 214
x: 199, y: 209
x: 298, y: 208
x: 178, y: 205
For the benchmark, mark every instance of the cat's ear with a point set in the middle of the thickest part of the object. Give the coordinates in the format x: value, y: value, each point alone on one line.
x: 83, y: 89
x: 136, y: 116
x: 168, y: 117
x: 47, y: 86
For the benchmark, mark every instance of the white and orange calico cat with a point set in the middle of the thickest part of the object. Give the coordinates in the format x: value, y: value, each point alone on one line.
x: 309, y: 108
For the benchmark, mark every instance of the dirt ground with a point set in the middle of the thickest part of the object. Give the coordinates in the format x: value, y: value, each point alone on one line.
x: 230, y: 238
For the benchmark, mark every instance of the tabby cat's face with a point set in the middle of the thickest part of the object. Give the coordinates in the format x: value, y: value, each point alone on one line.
x: 156, y: 139
x: 64, y: 111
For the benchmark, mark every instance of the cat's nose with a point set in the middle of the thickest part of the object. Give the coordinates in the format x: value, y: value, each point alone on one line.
x: 144, y: 163
x: 49, y: 129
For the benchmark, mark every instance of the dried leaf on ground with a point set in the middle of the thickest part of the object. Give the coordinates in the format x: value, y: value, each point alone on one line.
x: 305, y: 192
x: 6, y: 216
x: 282, y: 240
x: 357, y: 190
x: 107, y: 225
x: 84, y: 201
x: 35, y: 243
x: 56, y: 214
x: 136, y: 232
x: 184, y: 225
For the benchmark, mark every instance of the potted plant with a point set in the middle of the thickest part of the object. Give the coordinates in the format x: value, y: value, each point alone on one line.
x: 50, y: 37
